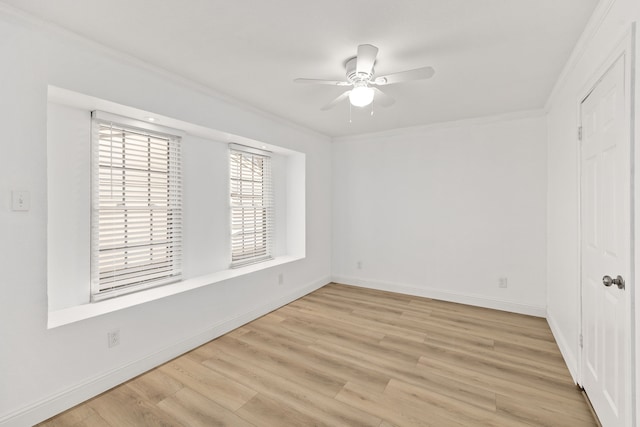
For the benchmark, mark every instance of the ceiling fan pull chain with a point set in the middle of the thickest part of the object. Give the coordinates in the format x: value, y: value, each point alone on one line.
x: 350, y: 112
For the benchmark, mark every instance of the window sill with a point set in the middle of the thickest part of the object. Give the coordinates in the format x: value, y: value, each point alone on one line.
x: 86, y: 311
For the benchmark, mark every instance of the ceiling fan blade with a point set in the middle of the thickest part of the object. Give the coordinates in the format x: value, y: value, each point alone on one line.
x: 405, y: 76
x: 382, y: 98
x: 322, y: 82
x: 366, y: 58
x: 336, y: 101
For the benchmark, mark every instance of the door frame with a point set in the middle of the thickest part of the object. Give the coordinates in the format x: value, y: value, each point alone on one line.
x: 624, y: 48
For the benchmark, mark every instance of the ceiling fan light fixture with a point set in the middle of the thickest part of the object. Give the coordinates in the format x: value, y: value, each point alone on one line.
x: 361, y: 96
x: 360, y: 74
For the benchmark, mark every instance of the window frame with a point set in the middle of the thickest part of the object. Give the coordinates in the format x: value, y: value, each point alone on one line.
x: 245, y: 248
x: 170, y: 270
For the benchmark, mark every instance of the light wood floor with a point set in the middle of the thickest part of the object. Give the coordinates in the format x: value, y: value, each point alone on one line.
x: 345, y: 356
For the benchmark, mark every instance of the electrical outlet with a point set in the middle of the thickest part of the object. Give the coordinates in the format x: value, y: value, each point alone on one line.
x: 502, y: 282
x: 280, y: 279
x: 113, y: 338
x: 359, y: 265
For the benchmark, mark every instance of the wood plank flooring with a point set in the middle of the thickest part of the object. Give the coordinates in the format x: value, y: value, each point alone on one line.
x: 346, y: 356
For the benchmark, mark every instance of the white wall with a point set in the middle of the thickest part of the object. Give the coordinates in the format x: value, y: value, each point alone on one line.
x: 611, y: 22
x: 43, y: 371
x: 68, y: 206
x: 445, y: 211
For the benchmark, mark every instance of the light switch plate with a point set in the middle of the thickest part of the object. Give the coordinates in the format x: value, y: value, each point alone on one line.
x: 20, y: 201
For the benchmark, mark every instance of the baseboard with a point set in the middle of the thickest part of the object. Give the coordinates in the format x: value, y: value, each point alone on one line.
x: 567, y: 352
x: 476, y: 300
x: 91, y: 387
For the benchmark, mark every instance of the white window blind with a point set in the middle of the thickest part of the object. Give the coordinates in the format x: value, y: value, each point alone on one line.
x: 136, y: 213
x: 251, y: 206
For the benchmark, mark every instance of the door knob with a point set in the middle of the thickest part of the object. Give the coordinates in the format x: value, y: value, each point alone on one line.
x: 618, y: 281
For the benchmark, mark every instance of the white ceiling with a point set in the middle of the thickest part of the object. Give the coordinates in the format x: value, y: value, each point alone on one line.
x: 490, y: 56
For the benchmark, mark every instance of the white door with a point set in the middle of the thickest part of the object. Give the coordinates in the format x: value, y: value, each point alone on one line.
x: 606, y: 247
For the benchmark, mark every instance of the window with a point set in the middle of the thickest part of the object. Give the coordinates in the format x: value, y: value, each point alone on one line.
x: 136, y: 216
x: 251, y: 206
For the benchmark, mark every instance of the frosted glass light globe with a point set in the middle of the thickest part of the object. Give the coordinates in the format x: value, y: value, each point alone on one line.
x: 361, y: 96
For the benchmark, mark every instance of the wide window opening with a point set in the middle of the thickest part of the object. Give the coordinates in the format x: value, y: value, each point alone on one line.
x: 139, y: 210
x: 136, y: 219
x: 252, y: 210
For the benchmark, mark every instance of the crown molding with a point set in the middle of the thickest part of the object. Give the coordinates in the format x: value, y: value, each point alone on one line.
x: 23, y: 18
x: 417, y: 130
x: 591, y: 29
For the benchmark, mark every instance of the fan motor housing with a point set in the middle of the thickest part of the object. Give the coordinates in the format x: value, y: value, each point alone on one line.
x: 352, y: 74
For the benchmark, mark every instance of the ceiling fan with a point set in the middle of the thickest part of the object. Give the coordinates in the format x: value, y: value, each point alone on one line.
x: 360, y: 75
